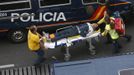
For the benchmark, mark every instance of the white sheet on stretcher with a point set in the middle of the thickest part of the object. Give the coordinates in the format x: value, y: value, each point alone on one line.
x: 68, y: 40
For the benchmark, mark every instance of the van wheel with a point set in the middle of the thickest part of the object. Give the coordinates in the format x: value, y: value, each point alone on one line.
x: 17, y: 36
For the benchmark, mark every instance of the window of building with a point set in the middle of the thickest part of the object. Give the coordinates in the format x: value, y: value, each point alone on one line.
x: 54, y: 2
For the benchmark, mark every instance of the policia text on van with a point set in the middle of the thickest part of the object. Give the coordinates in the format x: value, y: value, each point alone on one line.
x: 42, y: 17
x: 62, y: 12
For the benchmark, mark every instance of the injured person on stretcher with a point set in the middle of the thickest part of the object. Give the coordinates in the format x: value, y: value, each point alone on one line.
x: 70, y: 34
x: 65, y: 37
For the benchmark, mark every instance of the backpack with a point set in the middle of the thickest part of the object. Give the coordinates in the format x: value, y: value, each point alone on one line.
x: 119, y: 26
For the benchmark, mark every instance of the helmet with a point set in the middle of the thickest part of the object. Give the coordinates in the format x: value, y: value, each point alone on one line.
x: 117, y: 14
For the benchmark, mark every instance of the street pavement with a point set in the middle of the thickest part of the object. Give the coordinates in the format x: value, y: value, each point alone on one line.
x: 19, y: 54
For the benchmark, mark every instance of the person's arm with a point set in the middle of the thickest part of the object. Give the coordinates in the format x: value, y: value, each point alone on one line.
x: 94, y: 25
x: 107, y: 28
x: 101, y: 21
x: 104, y: 33
x: 42, y: 44
x: 40, y: 36
x: 42, y: 40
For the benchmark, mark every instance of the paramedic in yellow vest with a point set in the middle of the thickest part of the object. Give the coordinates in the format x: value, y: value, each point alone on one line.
x: 34, y: 44
x: 103, y: 22
x: 124, y: 35
x: 109, y: 28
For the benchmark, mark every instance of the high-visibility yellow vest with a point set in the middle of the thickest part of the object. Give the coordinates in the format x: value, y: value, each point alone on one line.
x: 103, y: 20
x: 113, y: 33
x: 107, y: 27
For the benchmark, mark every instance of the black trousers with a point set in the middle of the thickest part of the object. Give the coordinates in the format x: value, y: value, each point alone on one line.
x: 116, y: 45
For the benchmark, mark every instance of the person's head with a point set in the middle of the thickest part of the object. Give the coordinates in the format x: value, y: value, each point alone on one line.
x: 33, y: 28
x: 117, y: 14
x: 94, y: 25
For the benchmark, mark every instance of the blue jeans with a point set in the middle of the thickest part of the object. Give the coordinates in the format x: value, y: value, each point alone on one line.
x: 40, y: 53
x: 65, y: 33
x: 72, y: 31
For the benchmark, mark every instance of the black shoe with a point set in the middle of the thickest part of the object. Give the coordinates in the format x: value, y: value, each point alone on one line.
x: 129, y: 38
x: 117, y: 51
x: 42, y: 60
x: 37, y: 64
x: 120, y: 47
x: 54, y: 58
x: 108, y: 42
x: 92, y: 52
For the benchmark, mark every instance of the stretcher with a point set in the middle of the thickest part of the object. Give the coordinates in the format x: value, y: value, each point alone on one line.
x: 67, y: 42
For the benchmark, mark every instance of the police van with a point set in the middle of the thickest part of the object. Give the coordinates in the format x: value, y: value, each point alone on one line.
x: 17, y: 15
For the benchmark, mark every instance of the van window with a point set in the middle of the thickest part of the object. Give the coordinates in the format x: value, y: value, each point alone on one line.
x: 53, y: 2
x: 3, y: 1
x: 89, y: 1
x: 102, y: 1
x: 9, y: 5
